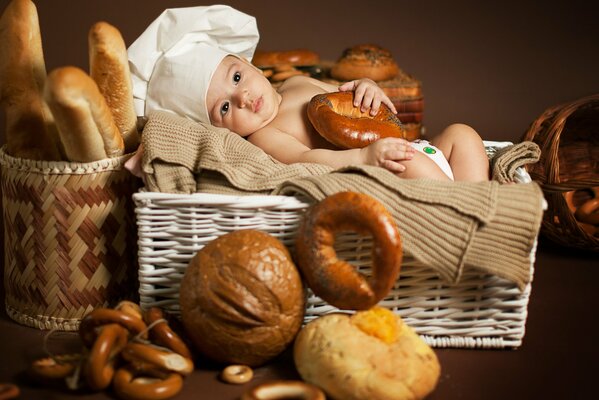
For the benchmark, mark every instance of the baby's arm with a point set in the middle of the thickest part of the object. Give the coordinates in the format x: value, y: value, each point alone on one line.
x: 385, y: 153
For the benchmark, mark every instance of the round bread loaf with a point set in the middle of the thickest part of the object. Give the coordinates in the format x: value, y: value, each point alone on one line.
x: 371, y: 355
x: 365, y: 61
x: 242, y: 299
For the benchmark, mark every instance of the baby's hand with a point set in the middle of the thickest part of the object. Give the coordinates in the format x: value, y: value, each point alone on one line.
x: 133, y: 164
x: 387, y: 152
x: 368, y: 94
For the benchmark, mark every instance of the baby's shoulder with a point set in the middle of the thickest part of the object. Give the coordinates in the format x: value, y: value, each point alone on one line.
x: 297, y: 81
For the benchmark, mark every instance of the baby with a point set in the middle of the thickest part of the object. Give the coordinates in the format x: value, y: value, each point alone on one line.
x: 231, y: 93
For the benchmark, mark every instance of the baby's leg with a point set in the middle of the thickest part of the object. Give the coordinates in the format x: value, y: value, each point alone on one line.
x: 465, y: 151
x: 421, y: 166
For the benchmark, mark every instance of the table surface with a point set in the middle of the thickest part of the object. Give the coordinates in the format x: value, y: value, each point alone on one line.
x: 554, y: 361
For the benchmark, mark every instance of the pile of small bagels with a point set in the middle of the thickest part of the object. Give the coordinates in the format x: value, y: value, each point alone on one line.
x: 133, y: 351
x: 242, y: 302
x: 68, y: 114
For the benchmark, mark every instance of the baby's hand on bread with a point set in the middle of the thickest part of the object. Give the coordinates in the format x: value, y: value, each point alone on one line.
x: 387, y: 153
x: 368, y: 94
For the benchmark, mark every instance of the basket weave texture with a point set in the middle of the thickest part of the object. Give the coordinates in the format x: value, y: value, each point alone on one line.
x: 481, y: 311
x: 568, y: 135
x: 70, y: 242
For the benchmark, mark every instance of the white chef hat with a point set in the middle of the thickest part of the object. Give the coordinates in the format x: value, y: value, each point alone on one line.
x: 173, y: 61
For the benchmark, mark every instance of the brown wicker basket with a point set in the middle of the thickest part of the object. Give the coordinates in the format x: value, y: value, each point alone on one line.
x: 70, y: 239
x: 568, y: 135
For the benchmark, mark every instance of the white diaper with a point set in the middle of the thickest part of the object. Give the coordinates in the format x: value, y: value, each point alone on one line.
x: 434, y: 154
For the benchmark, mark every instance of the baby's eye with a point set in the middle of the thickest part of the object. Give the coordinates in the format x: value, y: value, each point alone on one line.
x: 224, y: 108
x: 236, y: 77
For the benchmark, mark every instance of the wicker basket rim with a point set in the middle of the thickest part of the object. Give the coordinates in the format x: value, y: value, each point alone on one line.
x: 61, y: 167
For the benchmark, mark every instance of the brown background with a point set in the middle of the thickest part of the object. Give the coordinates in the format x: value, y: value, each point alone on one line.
x: 493, y: 65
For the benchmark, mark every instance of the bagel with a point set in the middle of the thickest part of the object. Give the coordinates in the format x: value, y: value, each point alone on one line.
x: 280, y: 390
x: 163, y: 335
x: 335, y: 118
x: 132, y: 384
x: 336, y: 281
x: 365, y: 61
x: 298, y: 57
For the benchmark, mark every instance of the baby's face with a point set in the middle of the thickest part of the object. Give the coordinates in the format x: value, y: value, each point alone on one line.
x: 240, y: 98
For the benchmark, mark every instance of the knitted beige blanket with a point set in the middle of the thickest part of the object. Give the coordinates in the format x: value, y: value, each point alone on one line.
x: 448, y: 226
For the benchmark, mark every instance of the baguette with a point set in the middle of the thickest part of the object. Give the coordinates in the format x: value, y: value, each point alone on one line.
x: 30, y: 129
x: 85, y: 123
x: 109, y: 67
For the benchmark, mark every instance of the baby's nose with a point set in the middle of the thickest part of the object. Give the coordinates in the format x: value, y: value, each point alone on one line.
x: 242, y: 98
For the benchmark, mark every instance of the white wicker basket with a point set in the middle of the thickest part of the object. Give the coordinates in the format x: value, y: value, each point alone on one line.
x: 482, y: 311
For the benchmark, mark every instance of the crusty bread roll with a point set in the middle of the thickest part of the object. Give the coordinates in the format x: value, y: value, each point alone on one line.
x: 372, y: 355
x: 85, y: 124
x: 365, y: 61
x: 242, y: 299
x: 30, y: 130
x: 109, y: 67
x: 297, y: 57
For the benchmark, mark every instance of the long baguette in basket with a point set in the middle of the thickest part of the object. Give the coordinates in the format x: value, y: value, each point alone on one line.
x: 30, y: 129
x: 85, y: 123
x: 109, y: 68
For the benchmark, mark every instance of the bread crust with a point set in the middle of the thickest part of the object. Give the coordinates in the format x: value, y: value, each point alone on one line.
x: 30, y: 129
x: 109, y: 68
x: 336, y: 119
x: 298, y: 57
x: 85, y: 124
x: 365, y: 61
x: 333, y: 353
x: 242, y: 299
x: 336, y: 281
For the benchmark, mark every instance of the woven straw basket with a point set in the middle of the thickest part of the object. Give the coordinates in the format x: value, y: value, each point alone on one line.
x: 70, y: 242
x: 568, y: 135
x: 482, y: 311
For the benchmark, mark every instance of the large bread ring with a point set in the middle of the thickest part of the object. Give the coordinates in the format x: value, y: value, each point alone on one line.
x: 130, y: 386
x: 281, y: 390
x: 336, y: 281
x: 335, y: 118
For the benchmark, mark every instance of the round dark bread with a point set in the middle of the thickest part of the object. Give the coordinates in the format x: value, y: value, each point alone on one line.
x: 242, y: 299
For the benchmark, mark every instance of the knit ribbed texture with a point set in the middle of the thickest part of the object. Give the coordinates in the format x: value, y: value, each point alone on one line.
x: 505, y: 162
x: 445, y: 225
